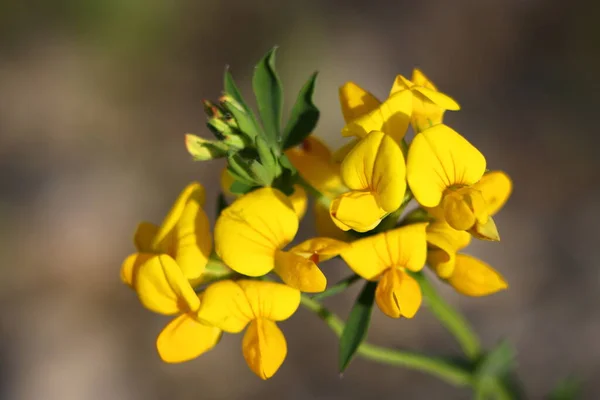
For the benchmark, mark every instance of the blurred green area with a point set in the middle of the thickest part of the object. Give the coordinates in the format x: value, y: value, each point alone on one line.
x: 97, y: 95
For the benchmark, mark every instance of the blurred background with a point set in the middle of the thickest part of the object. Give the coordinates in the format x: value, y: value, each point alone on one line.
x: 95, y: 97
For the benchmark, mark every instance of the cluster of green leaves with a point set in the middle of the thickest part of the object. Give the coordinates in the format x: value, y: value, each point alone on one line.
x: 254, y: 147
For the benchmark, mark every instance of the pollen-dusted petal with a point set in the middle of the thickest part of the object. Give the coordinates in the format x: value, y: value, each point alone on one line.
x: 356, y: 101
x: 496, y: 187
x: 194, y: 190
x: 439, y: 158
x: 485, y: 231
x: 144, y: 235
x: 441, y: 262
x: 314, y: 163
x: 248, y: 232
x: 473, y: 277
x: 444, y: 237
x: 440, y: 99
x: 192, y: 240
x: 406, y: 246
x: 131, y: 266
x: 398, y: 294
x: 356, y: 210
x: 376, y: 163
x: 299, y: 201
x: 162, y: 287
x: 401, y: 84
x: 392, y: 117
x: 185, y: 338
x: 320, y: 249
x: 225, y: 305
x: 271, y: 300
x: 325, y: 226
x: 264, y: 347
x: 368, y: 257
x: 299, y: 272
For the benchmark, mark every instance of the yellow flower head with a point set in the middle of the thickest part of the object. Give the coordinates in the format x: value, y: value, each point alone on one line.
x: 251, y: 233
x: 298, y: 198
x: 428, y: 105
x: 231, y: 306
x: 446, y: 175
x: 315, y: 164
x: 184, y: 238
x: 374, y: 170
x: 387, y: 257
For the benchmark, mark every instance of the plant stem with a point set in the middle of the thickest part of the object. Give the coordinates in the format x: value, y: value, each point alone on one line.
x: 338, y: 287
x: 441, y: 368
x: 450, y: 318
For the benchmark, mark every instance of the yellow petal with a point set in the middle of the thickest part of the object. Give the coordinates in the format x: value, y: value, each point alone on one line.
x: 325, y: 226
x: 314, y: 163
x: 144, y: 235
x: 299, y: 201
x: 444, y: 237
x: 194, y: 190
x: 401, y: 84
x: 264, y: 347
x: 419, y: 79
x: 439, y: 99
x: 193, y: 241
x: 162, y: 287
x: 271, y: 300
x: 248, y: 232
x: 342, y: 152
x: 496, y: 187
x: 486, y: 230
x: 131, y: 266
x: 398, y: 294
x: 356, y: 210
x: 320, y: 249
x: 356, y: 101
x: 404, y: 247
x: 441, y: 262
x: 463, y: 207
x: 439, y: 158
x: 226, y: 182
x: 184, y: 339
x: 299, y: 272
x: 473, y: 277
x: 225, y: 305
x: 376, y: 164
x: 392, y: 117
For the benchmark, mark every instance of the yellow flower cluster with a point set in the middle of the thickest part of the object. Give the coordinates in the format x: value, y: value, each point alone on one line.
x: 370, y: 179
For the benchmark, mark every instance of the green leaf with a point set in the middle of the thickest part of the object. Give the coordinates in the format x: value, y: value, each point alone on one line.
x: 267, y: 159
x: 269, y: 97
x: 244, y: 118
x: 357, y: 325
x: 261, y: 174
x: 304, y: 116
x: 493, y: 370
x: 569, y: 388
x: 239, y: 188
x: 240, y: 168
x: 221, y: 203
x: 202, y: 149
x: 232, y: 90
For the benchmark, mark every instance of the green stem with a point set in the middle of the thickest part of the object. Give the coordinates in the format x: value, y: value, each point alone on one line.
x: 338, y: 287
x: 450, y: 318
x: 443, y: 369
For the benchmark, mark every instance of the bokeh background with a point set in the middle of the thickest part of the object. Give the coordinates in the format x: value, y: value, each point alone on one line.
x: 95, y: 97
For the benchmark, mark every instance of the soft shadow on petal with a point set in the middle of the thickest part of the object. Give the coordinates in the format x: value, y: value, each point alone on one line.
x: 144, y: 236
x: 473, y: 277
x: 264, y: 347
x: 299, y: 272
x: 356, y: 101
x: 495, y: 187
x: 398, y: 294
x: 225, y: 305
x: 271, y: 300
x: 184, y: 339
x: 356, y: 210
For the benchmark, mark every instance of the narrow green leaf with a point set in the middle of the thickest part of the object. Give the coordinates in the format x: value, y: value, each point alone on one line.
x: 243, y: 118
x: 357, y: 325
x: 240, y: 168
x: 497, y: 362
x: 267, y: 159
x: 304, y: 116
x: 221, y: 203
x: 338, y: 287
x: 269, y: 97
x: 261, y: 174
x: 240, y: 188
x: 232, y: 90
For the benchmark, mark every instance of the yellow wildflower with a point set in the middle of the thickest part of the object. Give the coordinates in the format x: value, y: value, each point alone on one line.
x: 444, y: 172
x: 231, y: 306
x: 387, y: 257
x: 251, y: 233
x: 298, y: 198
x: 375, y: 171
x: 184, y: 238
x: 428, y: 105
x: 466, y: 274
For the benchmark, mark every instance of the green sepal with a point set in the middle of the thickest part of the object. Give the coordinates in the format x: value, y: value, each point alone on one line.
x: 202, y: 149
x: 243, y: 118
x: 240, y: 188
x: 304, y: 116
x: 269, y: 97
x: 262, y: 175
x: 357, y: 325
x: 240, y: 168
x: 266, y: 156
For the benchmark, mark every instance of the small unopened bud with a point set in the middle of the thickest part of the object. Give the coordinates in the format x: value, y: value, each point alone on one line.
x: 202, y: 149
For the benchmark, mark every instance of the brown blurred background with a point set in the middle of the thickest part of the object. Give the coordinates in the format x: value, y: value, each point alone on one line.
x: 95, y: 97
